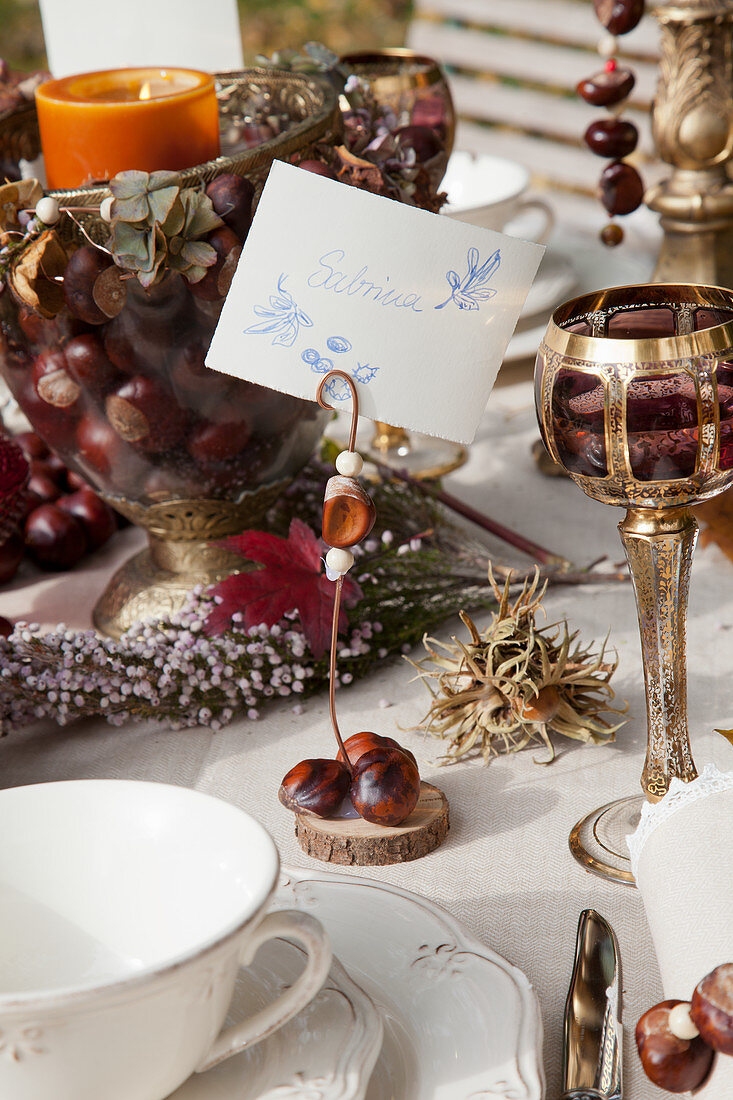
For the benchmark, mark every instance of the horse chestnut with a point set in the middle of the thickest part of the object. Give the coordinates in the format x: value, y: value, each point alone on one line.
x: 360, y: 743
x: 218, y: 277
x: 52, y: 381
x: 42, y: 484
x: 422, y: 139
x: 96, y: 517
x: 670, y: 1062
x: 99, y: 446
x: 31, y: 445
x: 211, y: 443
x: 711, y: 1008
x: 54, y: 539
x: 87, y: 362
x: 385, y: 786
x: 11, y: 555
x: 144, y: 413
x: 318, y: 168
x: 231, y: 196
x: 318, y: 786
x: 81, y: 273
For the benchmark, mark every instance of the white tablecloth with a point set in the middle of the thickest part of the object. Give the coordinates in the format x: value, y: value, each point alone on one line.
x: 505, y: 868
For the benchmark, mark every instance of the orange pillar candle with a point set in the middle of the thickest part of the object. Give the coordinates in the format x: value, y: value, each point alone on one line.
x: 94, y: 125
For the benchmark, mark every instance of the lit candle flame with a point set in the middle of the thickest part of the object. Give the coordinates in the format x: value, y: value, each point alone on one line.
x: 145, y: 92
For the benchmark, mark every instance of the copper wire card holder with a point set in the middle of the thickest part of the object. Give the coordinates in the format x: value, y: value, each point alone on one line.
x: 348, y: 515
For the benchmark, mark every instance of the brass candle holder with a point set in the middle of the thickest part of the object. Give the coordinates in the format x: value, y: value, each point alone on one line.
x: 634, y: 390
x: 692, y: 122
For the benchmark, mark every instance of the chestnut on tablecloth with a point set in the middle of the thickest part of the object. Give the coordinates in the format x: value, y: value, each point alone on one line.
x: 682, y: 859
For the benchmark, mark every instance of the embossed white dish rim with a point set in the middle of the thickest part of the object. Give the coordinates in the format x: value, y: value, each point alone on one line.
x: 441, y: 966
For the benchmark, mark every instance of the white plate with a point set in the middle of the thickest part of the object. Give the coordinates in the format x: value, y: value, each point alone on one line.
x: 326, y: 1052
x: 460, y: 1023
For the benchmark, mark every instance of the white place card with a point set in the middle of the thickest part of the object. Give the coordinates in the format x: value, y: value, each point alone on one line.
x: 86, y: 35
x: 416, y: 307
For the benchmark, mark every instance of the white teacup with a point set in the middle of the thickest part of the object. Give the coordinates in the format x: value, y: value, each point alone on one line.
x: 488, y: 191
x: 126, y: 910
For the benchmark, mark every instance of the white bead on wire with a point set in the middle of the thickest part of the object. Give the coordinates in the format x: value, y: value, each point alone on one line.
x: 338, y: 562
x: 349, y: 463
x: 47, y: 210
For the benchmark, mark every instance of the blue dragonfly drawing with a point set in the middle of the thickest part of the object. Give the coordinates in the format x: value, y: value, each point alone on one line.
x: 283, y: 318
x: 471, y: 290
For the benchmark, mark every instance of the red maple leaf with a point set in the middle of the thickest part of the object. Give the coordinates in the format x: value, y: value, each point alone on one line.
x: 290, y: 580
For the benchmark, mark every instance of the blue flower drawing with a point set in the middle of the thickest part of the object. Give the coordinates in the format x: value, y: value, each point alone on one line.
x: 468, y: 292
x: 283, y: 318
x: 364, y: 373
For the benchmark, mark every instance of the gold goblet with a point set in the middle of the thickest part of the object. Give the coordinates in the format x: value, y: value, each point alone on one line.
x: 634, y: 393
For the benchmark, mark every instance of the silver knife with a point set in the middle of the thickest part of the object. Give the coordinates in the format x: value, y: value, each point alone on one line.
x: 592, y: 1039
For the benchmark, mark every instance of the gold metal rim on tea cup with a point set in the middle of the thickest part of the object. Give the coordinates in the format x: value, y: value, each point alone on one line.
x: 608, y: 349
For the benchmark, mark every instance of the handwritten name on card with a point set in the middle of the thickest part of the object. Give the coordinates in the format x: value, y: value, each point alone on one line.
x: 417, y: 308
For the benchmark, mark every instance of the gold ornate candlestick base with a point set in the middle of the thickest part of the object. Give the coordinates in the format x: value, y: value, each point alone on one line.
x: 692, y: 122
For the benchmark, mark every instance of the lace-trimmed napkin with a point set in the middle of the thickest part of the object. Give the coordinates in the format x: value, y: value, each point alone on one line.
x: 682, y: 859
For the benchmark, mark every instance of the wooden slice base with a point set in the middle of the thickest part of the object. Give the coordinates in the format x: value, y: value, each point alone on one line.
x: 354, y: 841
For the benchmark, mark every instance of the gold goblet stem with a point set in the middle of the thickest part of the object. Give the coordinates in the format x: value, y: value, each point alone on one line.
x: 659, y: 545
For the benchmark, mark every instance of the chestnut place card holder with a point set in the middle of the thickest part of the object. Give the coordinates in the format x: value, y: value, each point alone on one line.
x: 417, y: 308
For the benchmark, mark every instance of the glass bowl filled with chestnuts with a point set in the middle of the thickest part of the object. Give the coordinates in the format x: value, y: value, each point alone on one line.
x: 111, y: 294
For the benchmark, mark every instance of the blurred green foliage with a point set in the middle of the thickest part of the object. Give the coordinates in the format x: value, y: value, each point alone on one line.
x: 267, y: 25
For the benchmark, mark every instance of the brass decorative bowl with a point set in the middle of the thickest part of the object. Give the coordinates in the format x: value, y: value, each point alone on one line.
x: 189, y: 454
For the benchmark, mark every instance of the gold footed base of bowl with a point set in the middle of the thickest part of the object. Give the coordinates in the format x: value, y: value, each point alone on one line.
x: 143, y: 589
x: 182, y: 554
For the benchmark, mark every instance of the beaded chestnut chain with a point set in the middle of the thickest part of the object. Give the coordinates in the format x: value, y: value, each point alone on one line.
x: 620, y: 188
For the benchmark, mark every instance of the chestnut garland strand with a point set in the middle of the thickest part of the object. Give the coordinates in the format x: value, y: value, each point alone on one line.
x: 620, y: 188
x: 677, y: 1040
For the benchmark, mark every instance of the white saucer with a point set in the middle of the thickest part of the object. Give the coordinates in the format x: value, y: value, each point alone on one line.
x: 460, y: 1023
x: 326, y: 1052
x: 593, y: 266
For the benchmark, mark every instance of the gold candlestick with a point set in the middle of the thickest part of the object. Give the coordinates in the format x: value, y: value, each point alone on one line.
x: 692, y: 122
